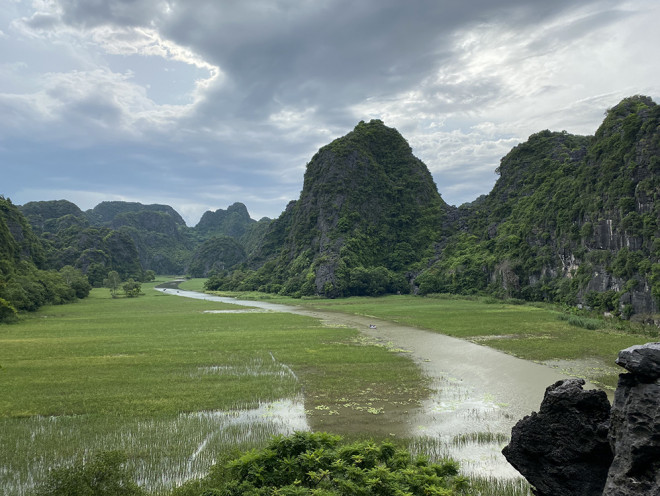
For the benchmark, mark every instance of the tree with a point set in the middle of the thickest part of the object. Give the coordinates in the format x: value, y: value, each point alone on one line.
x: 113, y: 281
x: 149, y: 275
x: 7, y: 311
x: 76, y: 280
x: 132, y: 288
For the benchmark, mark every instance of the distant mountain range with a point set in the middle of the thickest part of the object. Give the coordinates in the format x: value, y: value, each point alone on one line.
x: 571, y: 219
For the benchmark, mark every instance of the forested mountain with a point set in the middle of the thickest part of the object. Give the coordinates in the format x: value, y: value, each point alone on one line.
x: 106, y: 212
x: 368, y: 212
x: 131, y: 238
x: 214, y: 255
x: 24, y: 284
x: 571, y: 219
x: 68, y: 238
x: 233, y: 222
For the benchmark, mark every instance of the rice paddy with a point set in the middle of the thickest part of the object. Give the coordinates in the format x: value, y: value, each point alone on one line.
x: 174, y: 387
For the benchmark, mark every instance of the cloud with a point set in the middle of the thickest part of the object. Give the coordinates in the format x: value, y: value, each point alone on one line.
x: 203, y: 102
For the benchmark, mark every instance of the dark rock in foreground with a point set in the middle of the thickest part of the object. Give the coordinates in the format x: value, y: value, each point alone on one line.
x: 576, y: 446
x: 641, y: 360
x: 635, y: 424
x: 563, y: 449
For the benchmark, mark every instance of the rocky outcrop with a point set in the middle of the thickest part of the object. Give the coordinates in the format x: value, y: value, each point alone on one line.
x: 233, y: 222
x: 576, y: 445
x: 563, y: 449
x: 635, y: 424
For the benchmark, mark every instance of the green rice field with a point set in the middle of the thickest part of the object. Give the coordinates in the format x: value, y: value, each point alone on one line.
x: 174, y: 387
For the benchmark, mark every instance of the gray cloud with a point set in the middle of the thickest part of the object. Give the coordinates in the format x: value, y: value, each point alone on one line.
x: 209, y: 102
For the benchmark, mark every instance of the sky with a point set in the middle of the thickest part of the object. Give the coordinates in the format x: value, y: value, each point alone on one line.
x: 199, y: 104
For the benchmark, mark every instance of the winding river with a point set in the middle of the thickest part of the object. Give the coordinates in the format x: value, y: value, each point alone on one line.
x: 476, y: 389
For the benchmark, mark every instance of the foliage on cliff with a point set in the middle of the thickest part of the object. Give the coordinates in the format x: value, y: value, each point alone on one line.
x: 131, y: 238
x: 368, y: 212
x: 69, y: 239
x: 232, y: 222
x: 24, y: 284
x: 106, y: 212
x: 215, y: 255
x: 571, y: 218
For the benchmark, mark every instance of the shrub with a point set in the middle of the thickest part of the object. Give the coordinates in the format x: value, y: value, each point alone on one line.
x: 7, y: 311
x: 320, y: 464
x: 104, y: 475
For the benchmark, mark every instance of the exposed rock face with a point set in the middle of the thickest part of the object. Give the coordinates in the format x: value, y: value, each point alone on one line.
x: 563, y: 449
x: 635, y: 424
x: 641, y: 360
x: 566, y: 448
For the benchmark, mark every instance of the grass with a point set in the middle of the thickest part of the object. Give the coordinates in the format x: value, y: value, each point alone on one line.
x: 583, y: 322
x: 173, y: 386
x: 484, y: 437
x: 479, y: 485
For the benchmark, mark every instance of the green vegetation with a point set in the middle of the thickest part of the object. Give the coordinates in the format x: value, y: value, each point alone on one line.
x: 567, y: 212
x: 24, y: 284
x: 138, y: 240
x: 300, y: 464
x: 368, y: 212
x: 319, y: 464
x: 159, y: 379
x: 105, y: 475
x: 571, y: 219
x: 569, y: 216
x: 215, y: 255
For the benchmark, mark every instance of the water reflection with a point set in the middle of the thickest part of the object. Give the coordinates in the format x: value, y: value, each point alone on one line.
x: 478, y: 392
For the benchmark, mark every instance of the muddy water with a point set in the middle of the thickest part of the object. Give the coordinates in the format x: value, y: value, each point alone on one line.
x: 476, y: 390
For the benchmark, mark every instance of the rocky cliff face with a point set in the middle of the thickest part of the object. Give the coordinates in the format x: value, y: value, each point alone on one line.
x: 367, y: 205
x: 233, y: 222
x: 635, y: 424
x: 578, y: 446
x: 571, y: 219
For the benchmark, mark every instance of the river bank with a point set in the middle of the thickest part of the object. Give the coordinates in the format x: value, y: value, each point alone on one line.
x: 475, y: 389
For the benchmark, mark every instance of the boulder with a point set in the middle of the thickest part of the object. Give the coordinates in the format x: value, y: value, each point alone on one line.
x: 563, y: 449
x: 642, y: 360
x: 635, y: 424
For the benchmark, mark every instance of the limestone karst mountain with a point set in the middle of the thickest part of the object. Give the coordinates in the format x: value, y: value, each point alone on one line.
x: 571, y: 219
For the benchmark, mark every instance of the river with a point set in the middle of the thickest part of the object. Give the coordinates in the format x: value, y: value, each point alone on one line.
x: 476, y: 389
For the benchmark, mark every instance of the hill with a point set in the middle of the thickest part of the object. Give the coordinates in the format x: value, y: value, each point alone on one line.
x: 105, y: 212
x: 233, y: 222
x: 131, y: 238
x: 368, y: 212
x: 570, y: 219
x: 24, y: 284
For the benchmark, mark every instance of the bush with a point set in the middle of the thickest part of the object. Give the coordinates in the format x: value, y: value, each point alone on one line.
x: 320, y: 464
x: 583, y: 322
x: 104, y: 475
x: 7, y: 311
